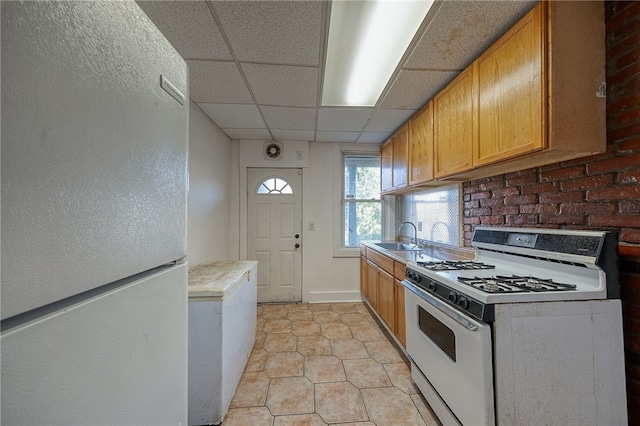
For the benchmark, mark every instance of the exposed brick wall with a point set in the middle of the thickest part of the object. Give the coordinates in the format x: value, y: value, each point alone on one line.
x: 596, y: 192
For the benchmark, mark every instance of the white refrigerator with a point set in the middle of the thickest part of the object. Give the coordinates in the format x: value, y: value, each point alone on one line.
x: 94, y: 190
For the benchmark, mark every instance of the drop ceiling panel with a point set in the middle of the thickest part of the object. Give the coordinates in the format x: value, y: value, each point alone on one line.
x: 189, y: 27
x: 461, y: 30
x: 281, y: 32
x: 282, y: 85
x: 323, y: 136
x: 261, y: 134
x: 286, y: 118
x: 373, y: 137
x: 234, y: 116
x: 388, y: 119
x: 217, y: 82
x: 293, y: 135
x: 412, y: 87
x: 343, y: 119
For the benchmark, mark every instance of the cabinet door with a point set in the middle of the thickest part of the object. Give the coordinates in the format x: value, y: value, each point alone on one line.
x: 386, y: 298
x: 401, y: 328
x: 363, y: 276
x: 386, y: 166
x: 400, y: 142
x: 421, y: 146
x: 511, y: 91
x: 454, y: 123
x: 372, y: 285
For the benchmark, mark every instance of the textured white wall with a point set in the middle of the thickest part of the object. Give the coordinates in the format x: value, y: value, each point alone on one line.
x: 325, y: 278
x: 209, y: 202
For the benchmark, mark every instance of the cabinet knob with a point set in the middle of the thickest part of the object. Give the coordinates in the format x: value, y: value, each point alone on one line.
x: 297, y: 245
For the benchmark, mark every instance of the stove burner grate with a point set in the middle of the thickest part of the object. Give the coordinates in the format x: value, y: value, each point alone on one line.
x: 515, y: 284
x: 451, y: 265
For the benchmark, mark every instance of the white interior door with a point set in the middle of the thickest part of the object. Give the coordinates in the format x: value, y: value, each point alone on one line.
x: 274, y: 232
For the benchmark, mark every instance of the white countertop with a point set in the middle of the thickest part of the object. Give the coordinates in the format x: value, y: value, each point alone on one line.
x: 217, y: 279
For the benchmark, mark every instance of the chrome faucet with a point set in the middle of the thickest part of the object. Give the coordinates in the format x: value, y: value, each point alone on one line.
x: 415, y: 231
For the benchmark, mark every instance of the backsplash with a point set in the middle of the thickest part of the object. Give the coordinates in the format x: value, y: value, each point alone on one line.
x: 434, y: 211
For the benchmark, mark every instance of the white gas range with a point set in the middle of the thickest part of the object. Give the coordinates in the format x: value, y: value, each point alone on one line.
x: 529, y: 332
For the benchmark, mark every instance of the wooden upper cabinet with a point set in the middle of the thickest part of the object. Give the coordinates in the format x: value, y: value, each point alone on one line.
x: 400, y: 142
x: 454, y: 126
x: 533, y: 98
x: 386, y: 166
x: 421, y: 146
x: 512, y: 101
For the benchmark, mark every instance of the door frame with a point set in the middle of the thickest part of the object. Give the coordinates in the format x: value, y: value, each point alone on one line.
x: 243, y: 217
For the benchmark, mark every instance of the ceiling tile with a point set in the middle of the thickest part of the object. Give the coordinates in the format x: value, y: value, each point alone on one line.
x: 217, y: 82
x: 189, y: 27
x: 373, y: 137
x: 261, y: 134
x: 412, y: 88
x: 461, y: 30
x: 388, y: 119
x: 283, y: 85
x: 343, y: 119
x: 283, y: 32
x: 337, y: 136
x: 290, y: 118
x: 293, y: 135
x: 234, y: 116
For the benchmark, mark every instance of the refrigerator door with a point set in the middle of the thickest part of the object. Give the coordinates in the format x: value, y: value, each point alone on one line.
x: 94, y: 150
x: 118, y: 358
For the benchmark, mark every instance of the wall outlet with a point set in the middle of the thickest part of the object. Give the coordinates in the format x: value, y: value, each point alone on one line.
x: 312, y: 226
x: 419, y: 226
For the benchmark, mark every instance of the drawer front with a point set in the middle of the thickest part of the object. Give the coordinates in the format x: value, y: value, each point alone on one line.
x: 381, y: 260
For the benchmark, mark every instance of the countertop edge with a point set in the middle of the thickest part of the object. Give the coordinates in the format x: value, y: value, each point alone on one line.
x: 429, y: 253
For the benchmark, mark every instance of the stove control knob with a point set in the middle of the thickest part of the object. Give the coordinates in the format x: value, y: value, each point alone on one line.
x: 412, y: 275
x: 431, y: 286
x: 453, y: 296
x: 463, y: 302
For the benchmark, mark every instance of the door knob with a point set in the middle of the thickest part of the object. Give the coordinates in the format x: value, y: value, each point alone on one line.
x: 297, y: 245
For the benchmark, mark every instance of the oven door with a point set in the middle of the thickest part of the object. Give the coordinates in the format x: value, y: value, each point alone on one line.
x: 453, y: 353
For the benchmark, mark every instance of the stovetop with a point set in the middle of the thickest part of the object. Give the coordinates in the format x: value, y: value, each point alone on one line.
x: 515, y: 284
x: 515, y: 265
x: 513, y: 279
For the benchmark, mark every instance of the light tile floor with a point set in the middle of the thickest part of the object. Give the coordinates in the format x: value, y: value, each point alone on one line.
x: 325, y: 363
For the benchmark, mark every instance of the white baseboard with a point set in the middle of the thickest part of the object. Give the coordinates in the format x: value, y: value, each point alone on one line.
x: 334, y: 296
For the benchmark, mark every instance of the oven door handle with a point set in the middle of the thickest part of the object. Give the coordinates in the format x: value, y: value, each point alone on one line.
x: 440, y: 306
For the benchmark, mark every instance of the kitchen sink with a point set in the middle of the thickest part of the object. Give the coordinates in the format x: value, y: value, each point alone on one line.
x: 393, y: 246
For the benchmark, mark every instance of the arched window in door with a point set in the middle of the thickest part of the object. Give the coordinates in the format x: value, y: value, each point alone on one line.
x: 274, y: 185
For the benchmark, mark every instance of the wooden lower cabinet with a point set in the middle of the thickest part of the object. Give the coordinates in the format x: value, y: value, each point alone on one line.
x: 382, y: 289
x: 386, y: 300
x: 363, y: 275
x: 401, y: 325
x: 372, y: 284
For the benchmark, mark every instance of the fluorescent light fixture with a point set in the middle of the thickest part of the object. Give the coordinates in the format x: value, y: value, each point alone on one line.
x: 367, y: 39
